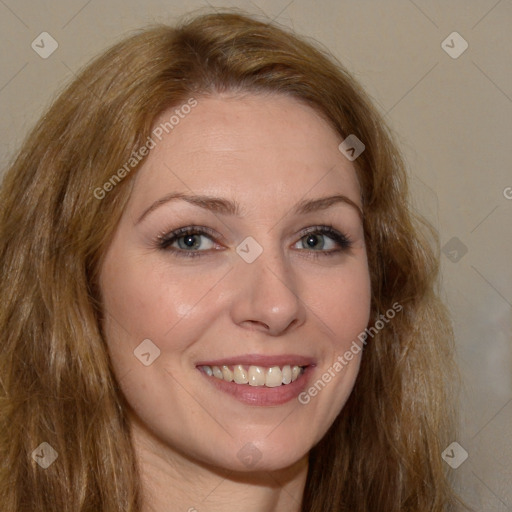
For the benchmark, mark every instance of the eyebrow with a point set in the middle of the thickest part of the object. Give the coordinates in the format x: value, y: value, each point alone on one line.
x: 228, y: 207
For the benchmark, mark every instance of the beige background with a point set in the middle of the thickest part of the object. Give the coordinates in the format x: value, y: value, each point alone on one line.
x: 452, y: 116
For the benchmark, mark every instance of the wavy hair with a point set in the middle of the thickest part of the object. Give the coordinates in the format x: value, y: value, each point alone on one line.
x: 383, y: 452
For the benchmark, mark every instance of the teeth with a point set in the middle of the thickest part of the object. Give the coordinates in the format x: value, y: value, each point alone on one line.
x: 287, y: 374
x: 227, y: 374
x: 256, y: 375
x: 240, y: 374
x: 274, y: 377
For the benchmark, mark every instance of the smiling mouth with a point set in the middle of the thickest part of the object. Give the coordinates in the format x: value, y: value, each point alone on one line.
x: 256, y: 376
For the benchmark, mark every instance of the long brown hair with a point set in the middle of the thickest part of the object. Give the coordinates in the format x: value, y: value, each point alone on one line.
x: 382, y: 454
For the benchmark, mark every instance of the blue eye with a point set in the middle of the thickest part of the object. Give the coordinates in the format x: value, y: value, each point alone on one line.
x: 324, y: 241
x: 316, y: 242
x: 193, y: 241
x: 188, y: 241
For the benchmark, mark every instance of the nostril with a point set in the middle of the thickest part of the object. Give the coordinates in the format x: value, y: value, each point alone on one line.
x: 257, y: 324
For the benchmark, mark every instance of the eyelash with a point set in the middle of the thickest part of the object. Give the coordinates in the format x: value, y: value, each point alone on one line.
x: 164, y: 241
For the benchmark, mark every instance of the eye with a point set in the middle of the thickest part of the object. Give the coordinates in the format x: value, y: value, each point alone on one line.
x: 188, y: 241
x: 195, y: 241
x: 323, y: 239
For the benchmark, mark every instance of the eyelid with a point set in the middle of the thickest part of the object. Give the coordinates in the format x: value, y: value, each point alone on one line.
x: 342, y: 239
x: 165, y: 240
x: 195, y: 228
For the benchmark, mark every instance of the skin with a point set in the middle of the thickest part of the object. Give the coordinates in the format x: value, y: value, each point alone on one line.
x: 267, y: 153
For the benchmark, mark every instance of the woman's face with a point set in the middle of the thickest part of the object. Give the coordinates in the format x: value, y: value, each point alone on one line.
x: 241, y: 252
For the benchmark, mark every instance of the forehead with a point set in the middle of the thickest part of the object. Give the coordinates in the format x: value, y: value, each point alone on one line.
x: 244, y: 145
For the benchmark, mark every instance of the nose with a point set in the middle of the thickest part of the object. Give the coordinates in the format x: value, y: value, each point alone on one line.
x: 267, y: 296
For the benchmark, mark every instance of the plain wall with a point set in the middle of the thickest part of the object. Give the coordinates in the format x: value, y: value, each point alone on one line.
x: 453, y: 120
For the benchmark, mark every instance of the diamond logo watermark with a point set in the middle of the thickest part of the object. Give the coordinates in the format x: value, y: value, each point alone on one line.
x: 44, y: 455
x: 147, y: 352
x: 351, y: 147
x: 249, y: 250
x: 44, y: 45
x: 454, y: 249
x: 454, y: 45
x: 454, y: 455
x: 249, y: 455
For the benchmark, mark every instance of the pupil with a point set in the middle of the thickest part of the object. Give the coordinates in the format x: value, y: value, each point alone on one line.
x: 190, y: 240
x: 312, y: 241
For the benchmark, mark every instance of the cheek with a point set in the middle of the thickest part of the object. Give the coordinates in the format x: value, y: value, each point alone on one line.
x: 149, y: 299
x: 342, y: 305
x: 342, y: 301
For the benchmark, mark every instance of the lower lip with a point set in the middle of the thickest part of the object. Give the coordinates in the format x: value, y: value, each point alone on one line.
x: 262, y: 395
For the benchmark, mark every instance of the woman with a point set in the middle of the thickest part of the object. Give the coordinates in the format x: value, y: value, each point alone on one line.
x: 215, y: 296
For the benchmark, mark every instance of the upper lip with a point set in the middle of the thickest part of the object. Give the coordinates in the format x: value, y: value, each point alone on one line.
x: 261, y: 360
